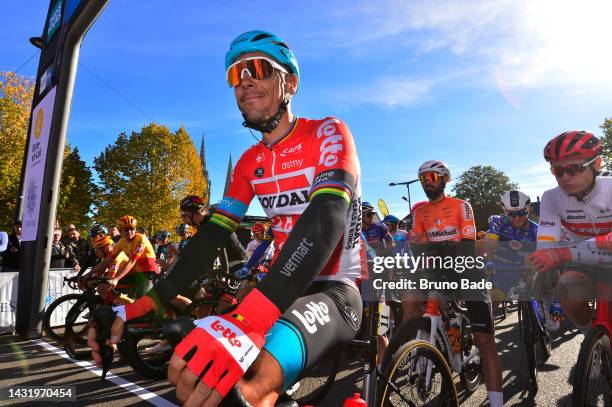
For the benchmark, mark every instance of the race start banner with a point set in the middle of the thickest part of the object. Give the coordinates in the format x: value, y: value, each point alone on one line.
x: 37, y: 155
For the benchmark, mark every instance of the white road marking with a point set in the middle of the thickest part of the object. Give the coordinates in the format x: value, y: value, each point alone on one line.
x: 116, y: 380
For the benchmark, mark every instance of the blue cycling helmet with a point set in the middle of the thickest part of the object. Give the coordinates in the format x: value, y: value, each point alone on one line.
x: 164, y: 234
x: 262, y: 41
x: 366, y: 207
x: 390, y: 219
x: 98, y: 229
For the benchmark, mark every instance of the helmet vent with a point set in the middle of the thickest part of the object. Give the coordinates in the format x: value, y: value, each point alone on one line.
x: 514, y: 199
x: 260, y: 37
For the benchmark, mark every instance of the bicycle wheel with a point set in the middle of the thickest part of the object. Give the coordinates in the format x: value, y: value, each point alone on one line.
x: 77, y: 325
x: 593, y: 370
x: 314, y: 385
x: 146, y: 351
x: 527, y: 329
x: 405, y: 380
x: 543, y: 332
x: 471, y: 372
x: 55, y: 315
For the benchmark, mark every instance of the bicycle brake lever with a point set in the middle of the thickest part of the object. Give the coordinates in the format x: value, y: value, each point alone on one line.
x: 177, y: 329
x: 103, y: 319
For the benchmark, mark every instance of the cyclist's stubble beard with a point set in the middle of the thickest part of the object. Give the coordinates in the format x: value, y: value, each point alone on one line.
x: 434, y: 193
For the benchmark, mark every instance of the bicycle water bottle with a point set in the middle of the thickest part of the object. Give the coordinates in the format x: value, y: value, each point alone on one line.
x: 354, y: 401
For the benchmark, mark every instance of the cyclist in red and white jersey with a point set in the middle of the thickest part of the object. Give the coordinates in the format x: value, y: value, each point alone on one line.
x: 581, y: 206
x: 306, y: 175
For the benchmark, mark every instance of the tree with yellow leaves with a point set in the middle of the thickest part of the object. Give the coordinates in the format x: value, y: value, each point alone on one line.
x: 146, y: 175
x: 15, y: 105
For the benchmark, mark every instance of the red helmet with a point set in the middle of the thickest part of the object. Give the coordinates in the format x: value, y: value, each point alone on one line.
x: 258, y: 228
x: 572, y: 144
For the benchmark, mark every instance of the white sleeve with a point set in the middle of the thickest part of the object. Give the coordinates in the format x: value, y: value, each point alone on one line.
x: 586, y: 252
x: 549, y: 228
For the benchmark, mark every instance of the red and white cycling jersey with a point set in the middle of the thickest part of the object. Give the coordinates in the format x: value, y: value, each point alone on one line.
x: 316, y: 157
x: 581, y: 219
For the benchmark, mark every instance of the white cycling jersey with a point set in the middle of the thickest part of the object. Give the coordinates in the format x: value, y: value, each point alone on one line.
x: 581, y: 219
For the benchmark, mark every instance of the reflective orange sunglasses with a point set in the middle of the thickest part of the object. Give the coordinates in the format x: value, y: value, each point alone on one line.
x: 431, y: 177
x: 257, y: 68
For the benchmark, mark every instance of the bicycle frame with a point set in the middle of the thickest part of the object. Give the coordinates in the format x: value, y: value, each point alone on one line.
x: 438, y: 337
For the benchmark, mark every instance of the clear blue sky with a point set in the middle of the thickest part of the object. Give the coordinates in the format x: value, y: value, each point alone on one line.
x: 475, y: 82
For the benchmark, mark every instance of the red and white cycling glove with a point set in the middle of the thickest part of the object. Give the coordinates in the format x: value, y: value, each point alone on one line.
x: 221, y: 348
x: 604, y: 242
x: 138, y: 308
x: 544, y: 260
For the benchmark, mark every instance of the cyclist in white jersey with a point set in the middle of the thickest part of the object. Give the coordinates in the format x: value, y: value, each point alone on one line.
x: 581, y: 206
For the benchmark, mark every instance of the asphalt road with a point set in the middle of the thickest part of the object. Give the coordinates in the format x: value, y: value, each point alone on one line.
x: 39, y: 363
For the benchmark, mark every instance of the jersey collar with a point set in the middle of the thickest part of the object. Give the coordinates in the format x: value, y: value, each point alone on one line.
x: 284, y: 136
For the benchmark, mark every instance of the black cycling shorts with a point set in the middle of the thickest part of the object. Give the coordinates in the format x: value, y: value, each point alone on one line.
x: 324, y: 319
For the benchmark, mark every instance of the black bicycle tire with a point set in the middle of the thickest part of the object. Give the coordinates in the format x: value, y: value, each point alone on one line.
x: 582, y: 372
x: 406, y: 332
x: 89, y: 302
x: 46, y: 321
x: 141, y: 366
x: 424, y: 348
x: 543, y: 333
x: 527, y: 331
x: 469, y: 384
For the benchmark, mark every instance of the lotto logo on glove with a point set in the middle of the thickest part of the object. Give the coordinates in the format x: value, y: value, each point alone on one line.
x: 226, y: 333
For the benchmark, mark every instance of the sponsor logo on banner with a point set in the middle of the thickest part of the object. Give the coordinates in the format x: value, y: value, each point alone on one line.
x: 55, y: 20
x: 36, y: 157
x: 45, y: 79
x: 316, y: 313
x: 332, y: 142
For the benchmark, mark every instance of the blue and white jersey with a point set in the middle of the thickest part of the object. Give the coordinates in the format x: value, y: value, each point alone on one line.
x: 515, y: 244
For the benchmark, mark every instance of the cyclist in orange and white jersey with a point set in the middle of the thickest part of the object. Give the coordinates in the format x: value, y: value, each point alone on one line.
x: 306, y: 175
x: 582, y: 207
x: 445, y: 227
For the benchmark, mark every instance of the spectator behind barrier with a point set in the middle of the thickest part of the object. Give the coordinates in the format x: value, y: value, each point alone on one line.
x: 12, y: 254
x: 61, y: 255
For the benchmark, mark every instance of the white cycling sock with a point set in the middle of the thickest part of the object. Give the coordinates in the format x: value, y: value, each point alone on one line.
x: 496, y: 398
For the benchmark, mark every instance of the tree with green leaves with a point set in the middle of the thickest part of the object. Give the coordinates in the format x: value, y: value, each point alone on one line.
x: 146, y: 174
x: 15, y: 104
x: 606, y: 127
x: 482, y: 187
x: 77, y: 191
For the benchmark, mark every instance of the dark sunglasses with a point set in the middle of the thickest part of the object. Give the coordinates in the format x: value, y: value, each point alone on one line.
x: 517, y: 214
x: 570, y: 169
x: 369, y: 214
x: 130, y: 229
